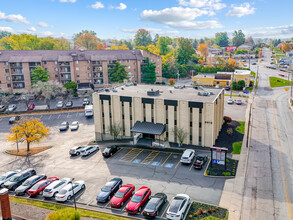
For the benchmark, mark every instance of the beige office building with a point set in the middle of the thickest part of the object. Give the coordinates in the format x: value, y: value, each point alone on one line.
x: 157, y: 111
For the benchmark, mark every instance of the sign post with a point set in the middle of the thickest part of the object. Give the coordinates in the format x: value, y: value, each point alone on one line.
x: 218, y: 156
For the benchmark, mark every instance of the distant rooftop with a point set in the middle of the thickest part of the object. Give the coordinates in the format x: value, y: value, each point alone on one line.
x: 166, y: 92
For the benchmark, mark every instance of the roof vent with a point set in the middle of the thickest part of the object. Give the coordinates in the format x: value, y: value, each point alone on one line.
x: 81, y: 50
x: 153, y: 93
x: 74, y: 54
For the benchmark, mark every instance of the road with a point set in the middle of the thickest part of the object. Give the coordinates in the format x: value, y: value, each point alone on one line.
x: 268, y: 192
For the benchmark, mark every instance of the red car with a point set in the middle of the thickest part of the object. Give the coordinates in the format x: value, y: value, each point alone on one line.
x: 30, y: 107
x: 122, y: 195
x: 138, y: 200
x: 40, y: 186
x: 281, y: 74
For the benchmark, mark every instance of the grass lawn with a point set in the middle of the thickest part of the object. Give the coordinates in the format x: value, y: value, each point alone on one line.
x: 252, y: 73
x: 245, y: 96
x: 23, y: 151
x: 241, y: 128
x: 277, y: 50
x: 206, y: 212
x: 276, y: 82
x: 237, y: 147
x: 56, y: 207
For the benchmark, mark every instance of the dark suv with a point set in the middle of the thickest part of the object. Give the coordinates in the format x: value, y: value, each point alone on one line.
x: 18, y: 179
x: 26, y: 185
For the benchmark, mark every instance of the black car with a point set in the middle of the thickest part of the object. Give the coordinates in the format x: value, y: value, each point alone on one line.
x: 109, y: 151
x: 200, y: 161
x: 109, y: 189
x: 14, y: 119
x: 154, y: 205
x: 18, y: 179
x: 69, y: 104
x: 227, y: 88
x: 2, y: 108
x: 26, y: 185
x: 64, y: 126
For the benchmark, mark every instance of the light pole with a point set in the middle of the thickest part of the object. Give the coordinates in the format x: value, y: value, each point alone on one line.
x: 178, y: 76
x: 16, y: 131
x: 73, y: 195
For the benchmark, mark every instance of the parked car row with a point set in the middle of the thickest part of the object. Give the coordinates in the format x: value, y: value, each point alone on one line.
x: 118, y: 195
x: 237, y: 101
x: 28, y: 182
x: 189, y: 157
x: 83, y: 150
x: 64, y: 126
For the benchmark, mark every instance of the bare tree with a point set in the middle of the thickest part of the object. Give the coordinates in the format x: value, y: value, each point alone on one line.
x: 115, y: 130
x: 181, y: 134
x: 49, y: 90
x: 27, y: 96
x: 5, y: 99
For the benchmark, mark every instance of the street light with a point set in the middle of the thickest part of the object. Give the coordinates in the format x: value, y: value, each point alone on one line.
x: 73, y: 194
x: 178, y: 76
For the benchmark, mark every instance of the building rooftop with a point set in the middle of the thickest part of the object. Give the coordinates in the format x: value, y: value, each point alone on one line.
x: 166, y: 92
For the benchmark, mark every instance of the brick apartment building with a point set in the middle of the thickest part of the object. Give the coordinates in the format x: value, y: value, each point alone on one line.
x: 81, y: 66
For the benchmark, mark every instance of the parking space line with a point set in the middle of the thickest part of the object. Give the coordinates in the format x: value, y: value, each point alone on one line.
x: 166, y: 208
x: 166, y: 159
x: 76, y: 114
x: 108, y: 203
x: 59, y: 116
x: 131, y: 155
x: 50, y: 117
x: 191, y: 167
x: 150, y: 157
x: 177, y: 164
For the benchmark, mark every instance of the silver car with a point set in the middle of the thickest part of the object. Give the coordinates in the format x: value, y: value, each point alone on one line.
x: 6, y: 176
x: 74, y: 126
x: 178, y: 207
x: 60, y: 104
x: 11, y: 108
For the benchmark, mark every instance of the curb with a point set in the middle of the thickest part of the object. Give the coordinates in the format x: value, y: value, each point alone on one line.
x: 226, y: 177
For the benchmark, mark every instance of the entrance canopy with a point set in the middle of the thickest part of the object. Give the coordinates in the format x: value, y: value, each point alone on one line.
x: 148, y: 128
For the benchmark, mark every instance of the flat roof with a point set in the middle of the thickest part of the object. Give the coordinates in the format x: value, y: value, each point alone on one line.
x: 166, y: 92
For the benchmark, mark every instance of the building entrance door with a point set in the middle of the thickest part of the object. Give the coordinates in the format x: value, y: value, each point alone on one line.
x: 149, y: 136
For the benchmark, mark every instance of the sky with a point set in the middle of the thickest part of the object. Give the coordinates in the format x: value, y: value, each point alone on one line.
x: 120, y: 19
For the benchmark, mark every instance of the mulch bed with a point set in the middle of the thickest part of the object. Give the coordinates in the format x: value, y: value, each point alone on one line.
x: 219, y: 170
x: 200, y: 210
x: 23, y: 151
x: 226, y: 140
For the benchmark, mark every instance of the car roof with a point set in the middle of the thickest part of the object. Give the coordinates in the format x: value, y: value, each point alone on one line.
x: 74, y: 122
x: 141, y: 191
x: 187, y: 152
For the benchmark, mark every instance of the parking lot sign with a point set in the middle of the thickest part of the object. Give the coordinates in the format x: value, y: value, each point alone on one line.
x: 218, y: 155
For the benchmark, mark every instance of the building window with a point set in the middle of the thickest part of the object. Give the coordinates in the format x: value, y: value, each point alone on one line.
x: 199, y: 124
x: 77, y: 68
x: 56, y: 76
x: 8, y: 85
x: 175, y: 122
x: 76, y: 62
x: 218, y: 82
x: 78, y: 81
x: 56, y: 69
x: 191, y: 124
x: 89, y: 75
x: 167, y: 121
x: 128, y: 61
x: 88, y: 68
x: 190, y: 137
x: 200, y: 110
x: 128, y: 67
x: 45, y: 62
x: 130, y: 117
x: 46, y: 69
x: 158, y: 60
x: 199, y: 138
x: 56, y: 62
x: 129, y: 73
x: 77, y: 75
x: 6, y: 63
x: 90, y: 80
x: 6, y: 70
x: 8, y: 78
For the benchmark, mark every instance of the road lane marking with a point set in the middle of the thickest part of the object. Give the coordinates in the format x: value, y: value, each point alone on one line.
x: 59, y: 116
x: 191, y: 167
x: 281, y: 160
x: 166, y: 159
x: 166, y: 208
x: 50, y: 117
x: 177, y: 164
x: 150, y: 157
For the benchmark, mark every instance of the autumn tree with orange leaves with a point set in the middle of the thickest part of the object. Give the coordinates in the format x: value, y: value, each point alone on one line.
x: 203, y: 50
x: 87, y: 40
x: 286, y: 47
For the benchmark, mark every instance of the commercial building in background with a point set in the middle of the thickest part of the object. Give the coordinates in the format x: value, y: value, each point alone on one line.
x: 81, y: 66
x: 222, y: 78
x: 156, y: 112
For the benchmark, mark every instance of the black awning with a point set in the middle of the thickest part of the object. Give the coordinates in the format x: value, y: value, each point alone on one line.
x: 148, y: 128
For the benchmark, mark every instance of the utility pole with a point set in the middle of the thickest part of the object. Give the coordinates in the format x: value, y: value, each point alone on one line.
x: 16, y: 140
x: 249, y: 57
x: 178, y: 76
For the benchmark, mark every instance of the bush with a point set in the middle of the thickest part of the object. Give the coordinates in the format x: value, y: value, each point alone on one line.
x: 163, y: 83
x: 67, y: 213
x: 75, y: 95
x: 226, y: 173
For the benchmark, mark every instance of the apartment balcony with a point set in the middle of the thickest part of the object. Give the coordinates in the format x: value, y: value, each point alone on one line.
x: 18, y: 72
x: 18, y: 85
x: 34, y: 64
x: 98, y: 76
x: 15, y: 66
x: 65, y: 72
x: 97, y: 63
x: 112, y: 63
x: 64, y: 64
x: 97, y: 70
x: 18, y: 79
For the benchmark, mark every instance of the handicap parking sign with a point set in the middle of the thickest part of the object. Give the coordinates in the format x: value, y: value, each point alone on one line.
x: 155, y: 163
x: 169, y: 165
x: 136, y: 161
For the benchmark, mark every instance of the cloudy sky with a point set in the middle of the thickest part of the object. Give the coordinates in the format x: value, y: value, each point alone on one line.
x: 121, y: 18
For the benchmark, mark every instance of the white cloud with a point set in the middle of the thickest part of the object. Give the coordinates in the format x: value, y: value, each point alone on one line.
x: 65, y: 1
x: 9, y: 29
x: 211, y: 4
x: 151, y: 30
x: 241, y: 10
x: 121, y: 6
x: 98, y: 5
x: 32, y: 29
x: 195, y: 25
x: 174, y: 14
x: 44, y: 24
x: 283, y: 31
x: 13, y: 18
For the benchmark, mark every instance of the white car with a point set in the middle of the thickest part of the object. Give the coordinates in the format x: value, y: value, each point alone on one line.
x: 69, y: 190
x: 6, y: 176
x: 60, y: 104
x: 51, y: 190
x: 230, y: 101
x: 74, y: 126
x: 88, y: 150
x: 178, y: 207
x: 11, y: 108
x: 187, y: 156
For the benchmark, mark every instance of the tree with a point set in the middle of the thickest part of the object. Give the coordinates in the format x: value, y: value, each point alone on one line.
x: 195, y: 43
x: 181, y: 134
x: 149, y: 72
x: 118, y: 73
x: 163, y: 45
x: 5, y: 34
x: 39, y: 74
x: 142, y: 38
x: 70, y: 86
x: 172, y: 82
x: 61, y: 44
x: 169, y: 67
x: 115, y: 130
x: 5, y: 99
x: 87, y: 40
x: 238, y: 38
x: 286, y: 47
x: 5, y: 43
x: 29, y: 131
x: 184, y: 51
x: 153, y: 49
x: 222, y: 39
x: 122, y: 47
x: 203, y: 50
x: 156, y: 38
x: 250, y: 40
x: 232, y: 64
x: 48, y: 90
x: 76, y: 36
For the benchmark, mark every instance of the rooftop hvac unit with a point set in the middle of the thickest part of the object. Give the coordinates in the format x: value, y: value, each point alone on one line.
x: 153, y: 93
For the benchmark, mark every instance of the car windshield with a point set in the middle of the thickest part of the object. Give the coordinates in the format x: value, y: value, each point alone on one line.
x: 107, y: 150
x: 26, y: 183
x: 119, y: 194
x: 199, y: 158
x: 63, y: 191
x: 152, y: 204
x: 106, y: 189
x: 74, y: 123
x: 175, y: 205
x: 136, y: 199
x: 63, y: 123
x: 2, y: 178
x: 36, y: 186
x: 12, y: 118
x: 14, y: 179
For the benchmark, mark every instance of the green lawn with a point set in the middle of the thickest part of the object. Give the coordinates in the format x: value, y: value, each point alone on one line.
x: 241, y: 128
x: 237, y: 147
x: 252, y: 73
x: 237, y: 96
x: 277, y: 50
x: 276, y: 82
